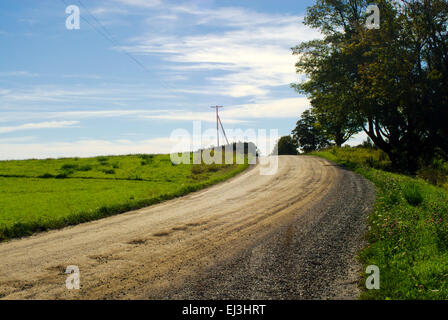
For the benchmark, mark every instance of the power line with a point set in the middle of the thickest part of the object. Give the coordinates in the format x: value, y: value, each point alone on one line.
x: 112, y: 39
x: 108, y: 36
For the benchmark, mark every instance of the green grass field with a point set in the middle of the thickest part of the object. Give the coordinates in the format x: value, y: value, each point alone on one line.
x: 408, y: 235
x: 37, y: 195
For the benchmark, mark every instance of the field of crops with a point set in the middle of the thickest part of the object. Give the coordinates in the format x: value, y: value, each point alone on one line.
x: 37, y: 195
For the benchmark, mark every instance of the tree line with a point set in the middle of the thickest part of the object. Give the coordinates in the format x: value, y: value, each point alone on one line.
x: 391, y: 82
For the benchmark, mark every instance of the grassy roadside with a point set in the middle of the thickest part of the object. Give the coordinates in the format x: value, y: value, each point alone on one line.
x: 38, y: 195
x: 408, y: 230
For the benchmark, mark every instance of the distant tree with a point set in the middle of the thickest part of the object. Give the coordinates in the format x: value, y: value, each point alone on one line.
x: 286, y: 146
x: 307, y: 134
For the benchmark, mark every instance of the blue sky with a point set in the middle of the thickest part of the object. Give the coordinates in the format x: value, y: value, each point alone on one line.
x: 76, y: 93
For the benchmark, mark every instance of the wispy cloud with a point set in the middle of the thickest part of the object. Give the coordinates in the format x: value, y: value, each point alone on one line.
x: 18, y: 74
x: 282, y: 108
x: 17, y: 139
x: 108, y: 10
x: 235, y: 114
x: 141, y: 3
x: 41, y: 125
x: 75, y: 115
x: 82, y: 76
x: 253, y: 49
x: 84, y: 148
x: 80, y: 94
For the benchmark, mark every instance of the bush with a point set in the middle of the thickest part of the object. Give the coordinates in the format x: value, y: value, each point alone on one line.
x: 46, y: 176
x: 198, y: 169
x: 436, y: 173
x: 85, y: 168
x: 62, y: 175
x: 103, y: 160
x: 69, y: 166
x: 413, y: 195
x: 146, y: 159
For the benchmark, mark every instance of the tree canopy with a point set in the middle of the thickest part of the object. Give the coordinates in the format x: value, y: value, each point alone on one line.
x: 308, y: 135
x: 286, y: 146
x: 391, y: 82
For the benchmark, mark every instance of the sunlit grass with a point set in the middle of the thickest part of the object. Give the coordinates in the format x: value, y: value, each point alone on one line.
x: 408, y: 235
x: 37, y: 195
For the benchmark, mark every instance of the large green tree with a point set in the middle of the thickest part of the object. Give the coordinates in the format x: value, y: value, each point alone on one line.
x: 393, y: 81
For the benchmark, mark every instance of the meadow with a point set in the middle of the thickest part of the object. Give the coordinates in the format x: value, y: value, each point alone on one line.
x: 38, y: 195
x: 408, y: 229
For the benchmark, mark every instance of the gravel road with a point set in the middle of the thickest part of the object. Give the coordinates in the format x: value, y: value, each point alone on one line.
x: 292, y: 235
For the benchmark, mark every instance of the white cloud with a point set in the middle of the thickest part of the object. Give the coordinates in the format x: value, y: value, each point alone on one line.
x: 236, y: 114
x: 82, y: 76
x: 82, y: 148
x: 18, y: 74
x: 107, y: 10
x: 41, y: 125
x: 81, y: 94
x: 357, y: 139
x: 141, y: 3
x: 17, y: 139
x: 282, y: 108
x: 76, y: 115
x: 254, y: 50
x: 184, y: 115
x: 91, y: 148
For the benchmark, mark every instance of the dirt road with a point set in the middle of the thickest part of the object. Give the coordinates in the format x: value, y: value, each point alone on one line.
x: 292, y: 235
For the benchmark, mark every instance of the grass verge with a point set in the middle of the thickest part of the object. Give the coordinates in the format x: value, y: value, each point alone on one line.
x: 408, y: 230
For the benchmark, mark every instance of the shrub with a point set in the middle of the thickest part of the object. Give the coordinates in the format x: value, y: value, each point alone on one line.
x: 436, y: 173
x: 62, y: 175
x: 197, y: 169
x: 46, y: 176
x: 412, y: 194
x: 146, y: 159
x: 85, y: 168
x: 69, y: 166
x: 103, y: 160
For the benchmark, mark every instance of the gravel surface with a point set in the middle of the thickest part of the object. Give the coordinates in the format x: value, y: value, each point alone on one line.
x: 312, y: 257
x: 292, y: 235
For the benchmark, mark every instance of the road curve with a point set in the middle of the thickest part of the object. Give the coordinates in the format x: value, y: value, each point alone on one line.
x: 292, y: 235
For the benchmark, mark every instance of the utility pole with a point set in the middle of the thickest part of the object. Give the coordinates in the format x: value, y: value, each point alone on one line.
x: 217, y: 122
